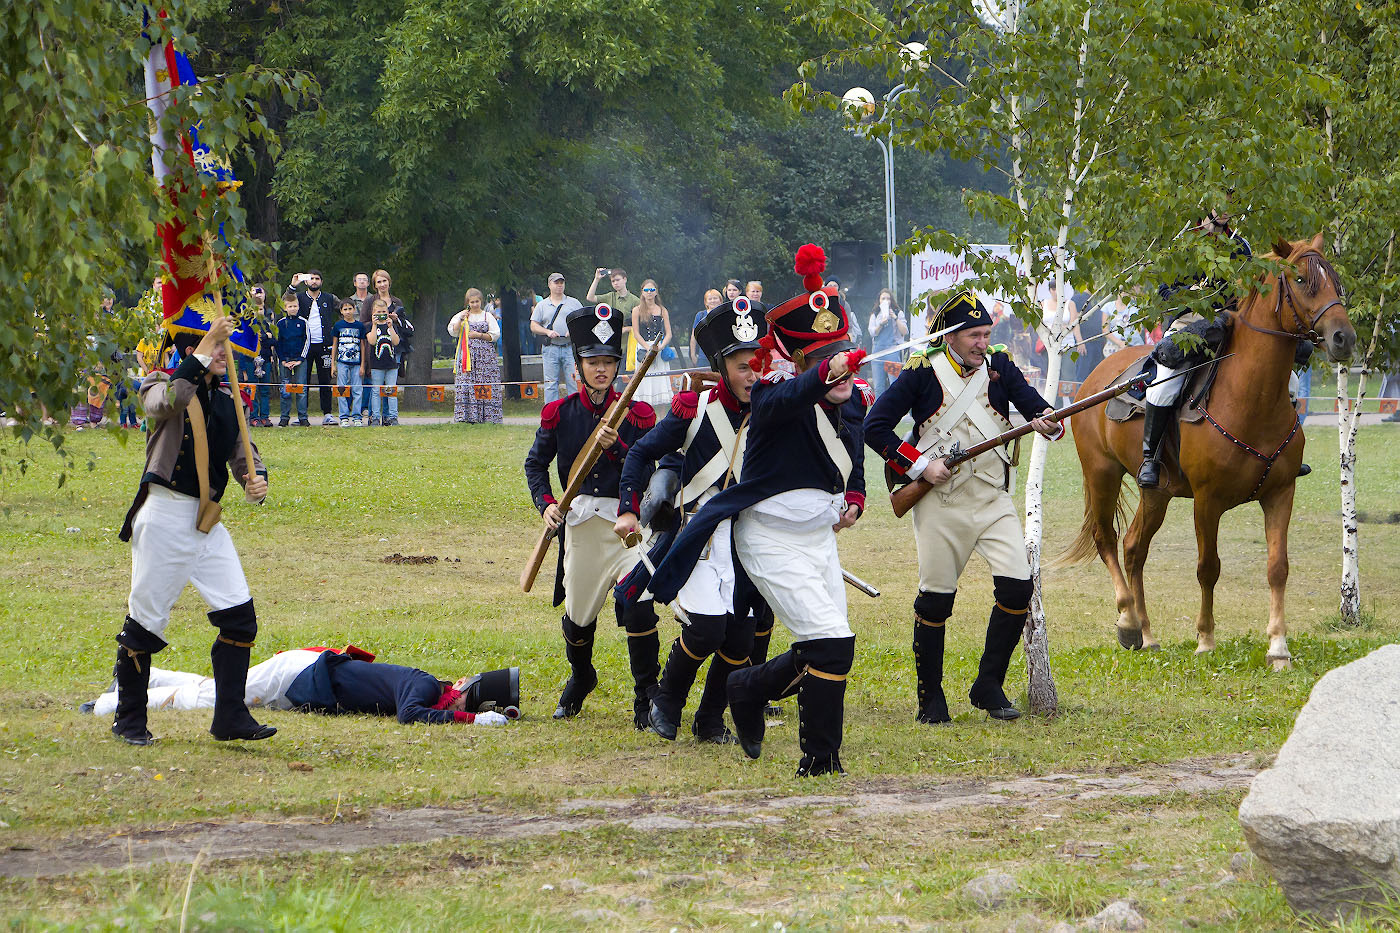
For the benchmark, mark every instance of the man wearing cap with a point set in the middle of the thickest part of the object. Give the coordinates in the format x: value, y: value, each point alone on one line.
x: 548, y: 324
x: 591, y: 558
x: 803, y: 480
x: 176, y: 536
x: 960, y: 392
x: 717, y: 620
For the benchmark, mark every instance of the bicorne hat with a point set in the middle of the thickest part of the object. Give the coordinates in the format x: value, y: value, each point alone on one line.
x: 812, y: 325
x: 733, y: 326
x: 960, y: 312
x: 596, y: 330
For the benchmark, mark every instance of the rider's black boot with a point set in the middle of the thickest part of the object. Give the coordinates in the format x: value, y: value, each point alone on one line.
x: 1154, y: 426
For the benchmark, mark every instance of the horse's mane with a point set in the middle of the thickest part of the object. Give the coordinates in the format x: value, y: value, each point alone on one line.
x: 1317, y: 272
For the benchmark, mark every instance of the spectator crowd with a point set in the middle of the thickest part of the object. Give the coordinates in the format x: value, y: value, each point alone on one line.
x: 350, y: 351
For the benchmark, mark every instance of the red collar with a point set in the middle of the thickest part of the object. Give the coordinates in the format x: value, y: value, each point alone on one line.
x: 726, y: 396
x: 587, y: 400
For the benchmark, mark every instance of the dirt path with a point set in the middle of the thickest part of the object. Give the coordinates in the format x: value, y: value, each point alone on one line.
x: 877, y: 799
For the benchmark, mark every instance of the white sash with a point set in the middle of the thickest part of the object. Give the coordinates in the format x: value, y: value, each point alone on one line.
x: 834, y: 448
x: 970, y: 403
x: 731, y: 450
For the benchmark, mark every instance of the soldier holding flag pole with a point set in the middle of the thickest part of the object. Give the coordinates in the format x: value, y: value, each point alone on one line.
x: 198, y: 434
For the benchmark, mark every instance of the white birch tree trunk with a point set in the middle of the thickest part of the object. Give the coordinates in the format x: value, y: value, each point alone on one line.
x: 1348, y: 420
x: 1044, y: 698
x: 1347, y: 417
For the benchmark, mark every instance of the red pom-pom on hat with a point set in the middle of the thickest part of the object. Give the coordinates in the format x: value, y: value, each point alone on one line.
x: 810, y: 263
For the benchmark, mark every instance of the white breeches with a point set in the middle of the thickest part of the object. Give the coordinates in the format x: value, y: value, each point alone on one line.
x: 798, y: 573
x: 594, y: 560
x: 167, y: 552
x: 267, y: 685
x: 710, y: 589
x: 977, y: 516
x: 1165, y: 393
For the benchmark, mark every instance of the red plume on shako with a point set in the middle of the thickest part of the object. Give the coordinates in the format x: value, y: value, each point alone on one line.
x: 812, y: 325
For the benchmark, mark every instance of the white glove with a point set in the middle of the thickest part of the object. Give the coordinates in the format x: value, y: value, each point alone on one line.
x: 490, y: 719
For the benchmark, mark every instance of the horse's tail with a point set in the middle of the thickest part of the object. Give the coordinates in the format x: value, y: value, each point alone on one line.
x: 1083, y: 546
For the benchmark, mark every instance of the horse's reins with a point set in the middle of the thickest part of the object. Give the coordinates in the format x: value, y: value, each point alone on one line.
x: 1284, y: 292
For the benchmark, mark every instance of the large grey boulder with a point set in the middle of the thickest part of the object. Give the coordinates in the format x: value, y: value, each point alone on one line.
x: 1325, y: 819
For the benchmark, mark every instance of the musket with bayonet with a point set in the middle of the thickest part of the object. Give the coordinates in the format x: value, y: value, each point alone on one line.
x: 902, y: 498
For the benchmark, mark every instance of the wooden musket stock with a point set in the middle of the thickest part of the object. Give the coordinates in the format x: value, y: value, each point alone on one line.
x: 584, y: 465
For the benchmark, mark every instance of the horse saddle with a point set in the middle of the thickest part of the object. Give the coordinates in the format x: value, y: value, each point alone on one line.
x: 1132, y: 403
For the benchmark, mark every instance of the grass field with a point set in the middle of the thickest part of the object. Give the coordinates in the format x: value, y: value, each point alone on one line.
x: 589, y: 824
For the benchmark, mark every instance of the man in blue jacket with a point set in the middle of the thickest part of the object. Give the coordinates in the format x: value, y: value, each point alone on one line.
x: 803, y: 480
x: 960, y: 392
x: 710, y: 440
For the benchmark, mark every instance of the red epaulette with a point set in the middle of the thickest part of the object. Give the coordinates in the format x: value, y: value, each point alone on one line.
x: 685, y: 404
x: 549, y: 415
x: 641, y: 415
x: 866, y: 392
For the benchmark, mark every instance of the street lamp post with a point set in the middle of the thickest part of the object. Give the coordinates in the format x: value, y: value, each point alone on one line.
x: 858, y: 98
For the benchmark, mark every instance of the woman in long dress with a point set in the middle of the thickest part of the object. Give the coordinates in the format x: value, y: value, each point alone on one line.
x: 476, y: 362
x: 651, y: 326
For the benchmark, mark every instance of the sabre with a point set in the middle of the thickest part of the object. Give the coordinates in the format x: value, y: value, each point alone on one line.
x: 859, y: 584
x: 900, y: 348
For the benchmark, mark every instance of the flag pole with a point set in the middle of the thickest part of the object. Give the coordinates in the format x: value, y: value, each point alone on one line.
x: 232, y: 372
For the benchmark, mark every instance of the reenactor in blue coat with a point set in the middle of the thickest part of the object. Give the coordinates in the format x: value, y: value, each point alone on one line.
x: 961, y: 392
x: 710, y: 439
x: 591, y: 558
x: 803, y: 479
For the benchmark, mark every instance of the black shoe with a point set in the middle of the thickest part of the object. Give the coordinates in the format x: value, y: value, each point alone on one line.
x: 994, y: 701
x: 935, y: 712
x: 661, y: 721
x: 817, y: 765
x: 88, y: 707
x: 747, y: 712
x: 134, y: 738
x: 575, y: 691
x: 720, y: 736
x: 1304, y: 469
x: 773, y: 710
x: 282, y: 423
x: 258, y: 731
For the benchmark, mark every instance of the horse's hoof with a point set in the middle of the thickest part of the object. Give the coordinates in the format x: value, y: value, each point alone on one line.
x: 1130, y: 638
x: 1151, y: 646
x: 1282, y: 664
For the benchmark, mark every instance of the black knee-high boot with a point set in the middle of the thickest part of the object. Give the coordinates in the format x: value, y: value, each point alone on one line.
x: 237, y: 626
x: 762, y: 640
x: 578, y: 648
x: 931, y: 612
x: 688, y: 653
x: 1004, y: 629
x: 133, y: 674
x: 644, y: 658
x: 821, y: 703
x: 732, y: 655
x: 1155, y: 419
x: 750, y: 688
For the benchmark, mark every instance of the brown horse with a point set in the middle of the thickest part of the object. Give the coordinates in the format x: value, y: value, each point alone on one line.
x: 1247, y: 446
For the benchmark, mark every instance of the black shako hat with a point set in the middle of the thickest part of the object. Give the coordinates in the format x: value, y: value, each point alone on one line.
x: 733, y: 326
x: 960, y: 312
x: 813, y: 325
x: 596, y: 330
x: 493, y: 690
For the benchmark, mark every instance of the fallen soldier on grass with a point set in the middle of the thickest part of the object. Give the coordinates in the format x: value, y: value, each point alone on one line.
x: 324, y: 680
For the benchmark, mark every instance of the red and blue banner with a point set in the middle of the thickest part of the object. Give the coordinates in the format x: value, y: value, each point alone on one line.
x: 188, y: 303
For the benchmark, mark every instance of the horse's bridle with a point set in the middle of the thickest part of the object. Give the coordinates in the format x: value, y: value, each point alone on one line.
x: 1286, y: 293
